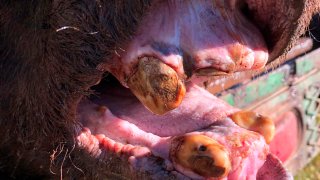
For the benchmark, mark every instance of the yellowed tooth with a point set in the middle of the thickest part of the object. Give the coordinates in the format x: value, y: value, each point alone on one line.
x: 255, y: 122
x: 157, y: 86
x: 201, y: 155
x: 210, y: 72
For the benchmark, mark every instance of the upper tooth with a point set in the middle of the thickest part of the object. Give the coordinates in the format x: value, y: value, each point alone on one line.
x: 210, y: 72
x: 157, y: 86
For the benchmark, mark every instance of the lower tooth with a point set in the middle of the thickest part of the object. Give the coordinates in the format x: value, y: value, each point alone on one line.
x: 157, y: 86
x: 201, y: 155
x: 255, y: 122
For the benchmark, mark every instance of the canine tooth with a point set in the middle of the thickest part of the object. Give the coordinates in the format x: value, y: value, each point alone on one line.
x: 255, y: 122
x: 157, y: 86
x: 202, y: 155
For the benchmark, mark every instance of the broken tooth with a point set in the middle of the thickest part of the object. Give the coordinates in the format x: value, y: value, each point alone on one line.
x: 255, y: 122
x: 201, y: 155
x: 157, y: 86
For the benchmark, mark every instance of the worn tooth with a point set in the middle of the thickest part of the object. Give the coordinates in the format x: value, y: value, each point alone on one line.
x: 255, y: 122
x: 201, y: 155
x: 210, y: 72
x: 157, y: 86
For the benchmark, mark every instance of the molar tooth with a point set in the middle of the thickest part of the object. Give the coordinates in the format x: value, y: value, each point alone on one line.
x: 210, y: 72
x: 201, y: 155
x: 157, y: 86
x: 255, y: 122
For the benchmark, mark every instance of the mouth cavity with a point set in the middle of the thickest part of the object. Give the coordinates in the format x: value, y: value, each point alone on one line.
x: 165, y: 114
x: 197, y: 138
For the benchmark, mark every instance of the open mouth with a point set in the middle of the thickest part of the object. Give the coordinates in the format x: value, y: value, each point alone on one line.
x: 194, y: 134
x: 198, y: 130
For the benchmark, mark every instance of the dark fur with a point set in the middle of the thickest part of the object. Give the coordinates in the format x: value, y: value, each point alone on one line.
x: 44, y: 73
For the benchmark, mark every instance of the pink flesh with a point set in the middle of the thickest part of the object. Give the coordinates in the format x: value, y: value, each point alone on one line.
x: 127, y: 125
x: 247, y: 150
x: 198, y: 110
x: 210, y: 33
x: 186, y: 35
